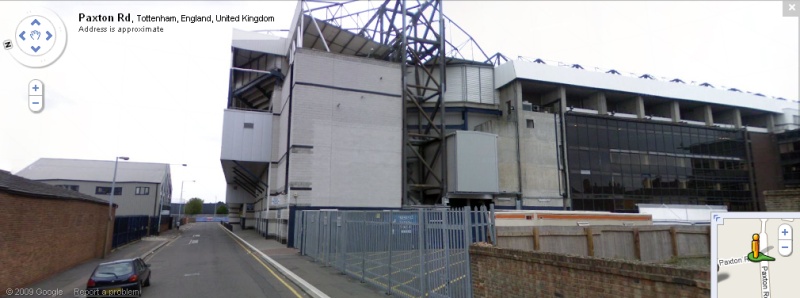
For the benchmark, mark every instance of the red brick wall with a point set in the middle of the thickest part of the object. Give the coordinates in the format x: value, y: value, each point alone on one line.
x: 41, y: 237
x: 498, y: 272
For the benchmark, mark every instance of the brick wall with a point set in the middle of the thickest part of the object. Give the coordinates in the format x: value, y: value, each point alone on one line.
x: 42, y: 237
x: 500, y: 272
x: 782, y: 200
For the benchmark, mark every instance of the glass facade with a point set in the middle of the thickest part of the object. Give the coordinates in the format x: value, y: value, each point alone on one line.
x: 615, y: 164
x: 789, y: 146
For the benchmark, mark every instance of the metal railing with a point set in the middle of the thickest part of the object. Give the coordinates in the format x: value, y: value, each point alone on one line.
x: 410, y: 253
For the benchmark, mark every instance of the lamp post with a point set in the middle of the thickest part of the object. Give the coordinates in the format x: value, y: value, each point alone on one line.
x: 111, y: 200
x: 215, y: 210
x: 180, y: 207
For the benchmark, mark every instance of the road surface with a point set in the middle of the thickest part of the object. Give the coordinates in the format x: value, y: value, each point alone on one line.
x: 206, y: 262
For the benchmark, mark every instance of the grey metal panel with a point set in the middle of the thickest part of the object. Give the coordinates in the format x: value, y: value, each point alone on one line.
x: 475, y: 167
x: 487, y: 85
x: 454, y: 83
x: 452, y: 169
x: 246, y: 144
x: 473, y: 81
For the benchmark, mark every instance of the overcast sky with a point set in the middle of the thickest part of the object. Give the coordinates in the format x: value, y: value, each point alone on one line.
x: 159, y: 97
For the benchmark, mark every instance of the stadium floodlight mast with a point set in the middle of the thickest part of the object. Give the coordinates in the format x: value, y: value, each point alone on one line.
x: 111, y: 200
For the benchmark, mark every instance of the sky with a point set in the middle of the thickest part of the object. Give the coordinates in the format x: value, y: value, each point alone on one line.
x: 159, y: 97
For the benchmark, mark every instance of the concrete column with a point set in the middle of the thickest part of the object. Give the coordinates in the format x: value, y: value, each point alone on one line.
x: 557, y: 94
x: 597, y: 102
x: 639, y: 107
x: 708, y: 115
x: 737, y: 118
x: 634, y: 105
x: 517, y: 100
x: 675, y: 111
x: 770, y: 122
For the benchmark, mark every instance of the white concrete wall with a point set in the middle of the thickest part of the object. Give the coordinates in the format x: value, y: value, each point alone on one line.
x: 537, y: 151
x: 356, y: 134
x: 540, y: 175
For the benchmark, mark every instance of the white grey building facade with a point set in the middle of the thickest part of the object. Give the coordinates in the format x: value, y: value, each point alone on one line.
x: 321, y: 119
x: 140, y: 187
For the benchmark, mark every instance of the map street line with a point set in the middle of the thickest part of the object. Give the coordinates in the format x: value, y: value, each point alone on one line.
x: 764, y: 276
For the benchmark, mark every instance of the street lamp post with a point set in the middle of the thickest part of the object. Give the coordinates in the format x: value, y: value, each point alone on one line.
x: 180, y: 207
x: 111, y: 199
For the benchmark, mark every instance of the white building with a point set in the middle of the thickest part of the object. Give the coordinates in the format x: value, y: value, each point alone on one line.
x: 140, y: 187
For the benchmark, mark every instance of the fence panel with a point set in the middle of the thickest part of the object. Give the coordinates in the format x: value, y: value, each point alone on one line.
x: 128, y: 229
x: 409, y: 253
x: 645, y: 243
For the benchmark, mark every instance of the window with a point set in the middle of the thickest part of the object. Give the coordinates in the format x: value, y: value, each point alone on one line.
x: 101, y: 190
x: 142, y: 191
x: 529, y: 122
x: 70, y: 187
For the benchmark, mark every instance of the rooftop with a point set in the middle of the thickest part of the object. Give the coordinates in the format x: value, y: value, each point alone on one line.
x: 94, y: 170
x: 15, y: 184
x: 515, y: 70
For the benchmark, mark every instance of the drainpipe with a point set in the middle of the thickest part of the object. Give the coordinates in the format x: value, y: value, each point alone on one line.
x: 559, y: 162
x: 519, y: 164
x: 567, y: 196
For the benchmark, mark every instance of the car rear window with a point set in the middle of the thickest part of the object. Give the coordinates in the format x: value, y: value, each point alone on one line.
x: 116, y: 269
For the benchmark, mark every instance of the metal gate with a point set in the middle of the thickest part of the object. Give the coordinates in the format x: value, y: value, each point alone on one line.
x: 412, y: 253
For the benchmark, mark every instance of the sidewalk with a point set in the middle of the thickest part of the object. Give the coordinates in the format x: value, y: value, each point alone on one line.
x: 326, y: 279
x: 76, y: 277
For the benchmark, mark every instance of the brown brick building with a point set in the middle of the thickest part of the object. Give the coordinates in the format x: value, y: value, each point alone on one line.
x: 46, y: 229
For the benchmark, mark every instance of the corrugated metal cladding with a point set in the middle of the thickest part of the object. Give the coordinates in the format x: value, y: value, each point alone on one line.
x: 469, y: 83
x: 247, y: 136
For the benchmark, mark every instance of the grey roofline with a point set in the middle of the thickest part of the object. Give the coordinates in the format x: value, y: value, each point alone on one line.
x: 13, y: 184
x: 75, y: 180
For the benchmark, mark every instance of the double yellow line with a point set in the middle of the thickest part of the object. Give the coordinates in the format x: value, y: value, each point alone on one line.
x: 267, y: 267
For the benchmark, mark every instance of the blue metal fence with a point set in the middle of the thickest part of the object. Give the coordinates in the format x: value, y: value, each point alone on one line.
x: 129, y: 228
x: 412, y: 253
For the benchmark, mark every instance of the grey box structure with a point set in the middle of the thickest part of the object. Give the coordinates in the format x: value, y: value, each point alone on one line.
x: 246, y: 136
x: 472, y: 166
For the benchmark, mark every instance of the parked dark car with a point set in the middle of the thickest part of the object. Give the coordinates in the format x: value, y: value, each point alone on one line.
x: 119, y: 278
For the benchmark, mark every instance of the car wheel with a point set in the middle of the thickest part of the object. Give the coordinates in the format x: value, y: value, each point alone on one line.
x: 147, y: 282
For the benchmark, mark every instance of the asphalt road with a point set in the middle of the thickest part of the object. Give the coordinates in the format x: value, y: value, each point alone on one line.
x: 206, y: 262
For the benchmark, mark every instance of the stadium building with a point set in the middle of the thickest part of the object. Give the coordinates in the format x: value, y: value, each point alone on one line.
x: 371, y: 116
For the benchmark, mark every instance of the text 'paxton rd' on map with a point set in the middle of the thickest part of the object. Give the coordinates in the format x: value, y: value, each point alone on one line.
x: 754, y: 257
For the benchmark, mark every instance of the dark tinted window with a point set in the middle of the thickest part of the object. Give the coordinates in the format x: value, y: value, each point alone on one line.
x: 616, y: 163
x: 115, y: 269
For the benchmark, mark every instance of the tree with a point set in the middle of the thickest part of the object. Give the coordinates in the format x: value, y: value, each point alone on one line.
x: 194, y: 206
x: 222, y: 208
